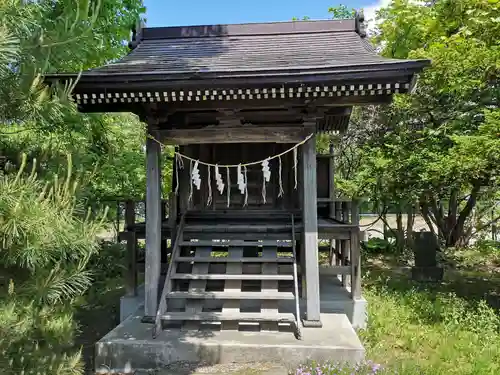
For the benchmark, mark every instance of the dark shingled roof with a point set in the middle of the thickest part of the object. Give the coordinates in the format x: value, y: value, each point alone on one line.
x: 249, y: 50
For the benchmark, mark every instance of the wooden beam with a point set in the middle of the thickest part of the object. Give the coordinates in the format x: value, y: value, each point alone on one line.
x: 310, y: 234
x: 153, y: 225
x: 241, y: 104
x: 243, y: 134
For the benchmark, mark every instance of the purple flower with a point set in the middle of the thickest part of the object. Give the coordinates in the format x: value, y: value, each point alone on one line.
x: 375, y: 368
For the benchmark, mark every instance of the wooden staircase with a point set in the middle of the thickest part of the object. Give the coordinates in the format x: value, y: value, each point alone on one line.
x: 230, y: 284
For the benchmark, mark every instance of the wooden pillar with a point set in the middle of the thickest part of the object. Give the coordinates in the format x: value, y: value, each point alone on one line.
x: 355, y: 253
x: 153, y: 225
x: 184, y: 181
x: 345, y: 246
x: 331, y: 190
x: 310, y: 233
x: 131, y: 271
x: 118, y: 217
x: 164, y: 240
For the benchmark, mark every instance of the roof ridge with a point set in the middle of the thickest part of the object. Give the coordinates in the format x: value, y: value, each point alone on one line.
x: 141, y: 33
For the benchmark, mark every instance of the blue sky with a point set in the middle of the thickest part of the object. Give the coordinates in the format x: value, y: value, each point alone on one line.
x: 202, y: 12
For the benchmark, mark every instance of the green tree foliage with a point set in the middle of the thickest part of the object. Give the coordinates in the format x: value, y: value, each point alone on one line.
x: 46, y: 241
x: 341, y: 12
x: 47, y: 234
x: 46, y: 36
x: 438, y: 149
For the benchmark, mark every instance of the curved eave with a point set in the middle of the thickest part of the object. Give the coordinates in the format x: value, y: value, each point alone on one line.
x: 228, y: 79
x: 369, y: 84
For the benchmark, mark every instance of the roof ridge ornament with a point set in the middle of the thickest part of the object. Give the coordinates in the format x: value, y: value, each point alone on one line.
x: 137, y: 34
x: 359, y: 18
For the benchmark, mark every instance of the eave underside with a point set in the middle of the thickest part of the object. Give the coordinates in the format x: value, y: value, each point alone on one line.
x: 224, y: 112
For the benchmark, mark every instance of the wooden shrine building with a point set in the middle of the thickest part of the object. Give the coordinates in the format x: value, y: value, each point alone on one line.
x: 243, y: 104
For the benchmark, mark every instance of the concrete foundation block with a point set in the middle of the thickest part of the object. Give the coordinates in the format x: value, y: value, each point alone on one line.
x: 129, y: 305
x: 130, y: 346
x: 355, y: 310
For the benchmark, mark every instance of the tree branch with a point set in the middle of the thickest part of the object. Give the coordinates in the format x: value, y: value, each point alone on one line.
x: 424, y: 210
x: 17, y: 131
x: 471, y: 202
x: 484, y: 226
x: 437, y: 216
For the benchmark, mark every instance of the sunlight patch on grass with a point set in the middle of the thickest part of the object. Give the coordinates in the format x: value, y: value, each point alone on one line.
x: 432, y: 332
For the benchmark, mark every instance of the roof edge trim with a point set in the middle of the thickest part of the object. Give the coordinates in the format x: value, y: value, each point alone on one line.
x: 404, y: 66
x: 249, y: 29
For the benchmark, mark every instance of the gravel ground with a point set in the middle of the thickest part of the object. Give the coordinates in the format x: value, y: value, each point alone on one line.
x: 185, y: 368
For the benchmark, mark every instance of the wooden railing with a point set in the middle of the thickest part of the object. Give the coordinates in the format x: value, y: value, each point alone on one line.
x: 342, y: 210
x: 162, y: 306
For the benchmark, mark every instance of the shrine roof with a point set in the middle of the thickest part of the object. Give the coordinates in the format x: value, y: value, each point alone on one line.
x: 256, y: 50
x: 296, y: 63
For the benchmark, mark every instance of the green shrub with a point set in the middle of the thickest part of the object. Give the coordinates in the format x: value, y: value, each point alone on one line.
x: 46, y: 241
x: 378, y: 246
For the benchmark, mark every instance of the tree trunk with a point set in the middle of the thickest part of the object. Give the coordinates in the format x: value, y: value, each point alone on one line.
x: 410, y: 220
x: 400, y: 234
x: 451, y: 228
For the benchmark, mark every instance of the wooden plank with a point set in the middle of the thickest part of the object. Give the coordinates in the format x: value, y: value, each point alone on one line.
x: 245, y: 228
x: 242, y: 213
x: 355, y: 266
x: 241, y: 134
x: 331, y: 181
x: 310, y: 233
x: 354, y: 213
x: 331, y: 252
x: 184, y: 182
x: 153, y: 226
x: 235, y: 235
x: 335, y: 270
x: 269, y: 307
x: 230, y: 294
x: 131, y: 271
x: 325, y: 200
x: 344, y: 259
x: 197, y: 285
x: 167, y: 285
x: 233, y: 286
x: 237, y: 243
x: 172, y: 206
x: 233, y: 260
x: 226, y: 316
x: 213, y: 276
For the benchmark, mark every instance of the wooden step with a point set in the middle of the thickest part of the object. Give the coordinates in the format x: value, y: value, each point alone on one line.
x: 234, y: 260
x: 190, y: 276
x: 236, y: 243
x: 267, y: 295
x: 243, y: 213
x: 245, y: 228
x: 224, y: 316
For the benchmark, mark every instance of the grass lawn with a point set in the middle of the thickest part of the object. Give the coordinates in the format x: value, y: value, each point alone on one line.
x: 446, y: 328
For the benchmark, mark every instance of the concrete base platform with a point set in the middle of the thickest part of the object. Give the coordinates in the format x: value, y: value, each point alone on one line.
x: 334, y: 298
x: 130, y: 347
x: 130, y: 304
